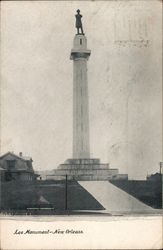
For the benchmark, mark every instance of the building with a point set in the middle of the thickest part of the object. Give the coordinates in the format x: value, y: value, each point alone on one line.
x: 155, y: 177
x: 16, y: 167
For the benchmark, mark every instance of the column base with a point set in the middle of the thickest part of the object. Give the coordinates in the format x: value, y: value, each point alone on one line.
x: 85, y: 169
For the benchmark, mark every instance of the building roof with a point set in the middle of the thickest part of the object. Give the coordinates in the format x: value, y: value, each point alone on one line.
x: 24, y: 158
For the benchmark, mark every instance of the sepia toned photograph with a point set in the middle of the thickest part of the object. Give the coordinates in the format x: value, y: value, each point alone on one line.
x: 81, y: 112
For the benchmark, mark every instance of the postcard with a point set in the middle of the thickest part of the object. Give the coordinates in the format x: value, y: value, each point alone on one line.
x: 81, y: 125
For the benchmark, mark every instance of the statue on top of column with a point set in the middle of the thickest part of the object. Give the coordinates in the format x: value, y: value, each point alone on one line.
x: 79, y: 23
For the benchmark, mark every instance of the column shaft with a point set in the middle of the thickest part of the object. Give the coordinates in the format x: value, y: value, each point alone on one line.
x: 81, y: 145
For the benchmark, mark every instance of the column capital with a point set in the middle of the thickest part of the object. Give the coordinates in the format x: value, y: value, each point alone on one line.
x: 80, y: 48
x: 76, y: 54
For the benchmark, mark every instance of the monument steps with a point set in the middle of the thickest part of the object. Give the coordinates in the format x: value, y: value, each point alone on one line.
x: 113, y: 199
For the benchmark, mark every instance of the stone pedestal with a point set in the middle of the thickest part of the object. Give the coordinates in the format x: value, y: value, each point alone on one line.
x: 85, y: 169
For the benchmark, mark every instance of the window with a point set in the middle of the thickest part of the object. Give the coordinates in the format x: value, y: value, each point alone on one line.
x: 11, y: 164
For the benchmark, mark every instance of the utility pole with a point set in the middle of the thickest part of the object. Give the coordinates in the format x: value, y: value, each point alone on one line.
x: 66, y: 193
x: 161, y: 164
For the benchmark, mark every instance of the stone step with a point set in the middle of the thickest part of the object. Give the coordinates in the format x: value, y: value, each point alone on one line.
x: 113, y: 199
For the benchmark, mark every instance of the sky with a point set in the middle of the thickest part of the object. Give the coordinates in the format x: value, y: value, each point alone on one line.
x: 124, y: 79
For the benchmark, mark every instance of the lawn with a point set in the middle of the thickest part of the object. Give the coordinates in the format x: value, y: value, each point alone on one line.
x: 20, y: 196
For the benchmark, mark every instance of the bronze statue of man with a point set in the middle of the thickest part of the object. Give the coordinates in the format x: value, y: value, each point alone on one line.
x: 79, y: 22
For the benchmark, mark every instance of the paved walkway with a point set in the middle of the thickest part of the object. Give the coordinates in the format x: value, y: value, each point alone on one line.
x: 115, y: 200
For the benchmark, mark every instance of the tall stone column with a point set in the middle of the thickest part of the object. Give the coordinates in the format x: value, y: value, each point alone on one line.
x: 81, y: 166
x: 80, y: 55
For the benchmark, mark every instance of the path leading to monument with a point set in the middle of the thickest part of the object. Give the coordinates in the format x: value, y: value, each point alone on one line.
x: 114, y: 199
